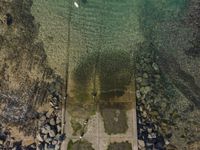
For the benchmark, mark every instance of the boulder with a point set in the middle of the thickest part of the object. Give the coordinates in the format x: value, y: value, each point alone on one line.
x: 145, y: 90
x: 39, y: 138
x: 54, y: 142
x: 141, y: 144
x: 58, y: 128
x: 57, y: 147
x: 52, y: 122
x: 45, y: 129
x: 155, y: 67
x: 52, y: 133
x: 43, y: 118
x: 149, y: 130
x: 1, y: 142
x: 139, y: 79
x: 145, y: 75
x: 50, y: 112
x: 45, y: 137
x: 138, y: 95
x: 58, y: 120
x: 46, y: 146
x: 48, y: 140
x: 144, y: 114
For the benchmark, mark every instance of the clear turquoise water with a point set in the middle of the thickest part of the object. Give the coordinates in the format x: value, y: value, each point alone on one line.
x: 102, y: 36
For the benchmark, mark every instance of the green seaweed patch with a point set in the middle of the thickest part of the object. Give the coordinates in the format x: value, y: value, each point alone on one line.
x: 79, y: 145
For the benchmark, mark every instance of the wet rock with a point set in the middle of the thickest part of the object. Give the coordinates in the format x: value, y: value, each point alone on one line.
x: 159, y: 142
x: 139, y: 79
x: 138, y: 95
x: 145, y: 75
x: 48, y: 140
x: 144, y: 114
x: 145, y: 90
x: 155, y: 67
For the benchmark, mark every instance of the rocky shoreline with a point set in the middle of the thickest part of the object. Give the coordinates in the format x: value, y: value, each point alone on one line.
x: 166, y: 118
x: 48, y: 134
x: 149, y: 94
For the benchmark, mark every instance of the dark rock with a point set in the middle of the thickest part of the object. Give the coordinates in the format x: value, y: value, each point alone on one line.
x: 9, y: 19
x: 3, y: 136
x: 160, y: 142
x: 62, y: 137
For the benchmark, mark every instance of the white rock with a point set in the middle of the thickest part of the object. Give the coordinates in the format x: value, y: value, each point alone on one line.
x: 54, y: 142
x: 141, y: 143
x: 76, y: 4
x: 149, y: 130
x: 138, y: 95
x: 167, y: 142
x: 45, y: 137
x: 145, y: 75
x: 58, y: 120
x: 155, y: 66
x: 52, y: 133
x: 58, y: 128
x: 49, y: 113
x: 139, y: 79
x: 45, y: 147
x: 57, y: 147
x: 144, y: 114
x: 52, y: 122
x: 39, y: 138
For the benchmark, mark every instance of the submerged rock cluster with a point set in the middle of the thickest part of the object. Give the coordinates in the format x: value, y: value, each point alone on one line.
x: 153, y: 129
x: 166, y: 118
